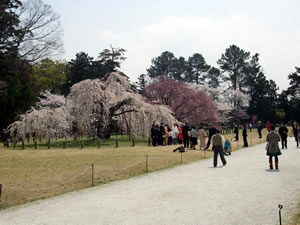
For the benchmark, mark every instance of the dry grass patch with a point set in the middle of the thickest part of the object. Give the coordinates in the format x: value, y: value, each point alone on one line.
x: 29, y: 175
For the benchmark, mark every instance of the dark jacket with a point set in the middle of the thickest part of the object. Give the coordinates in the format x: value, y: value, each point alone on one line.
x: 245, y: 132
x: 283, y: 131
x: 185, y: 130
x: 212, y: 131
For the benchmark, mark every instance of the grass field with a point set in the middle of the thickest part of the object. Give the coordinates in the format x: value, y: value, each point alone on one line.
x: 29, y: 174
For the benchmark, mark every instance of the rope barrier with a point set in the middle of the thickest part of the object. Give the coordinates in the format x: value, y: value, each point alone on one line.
x: 126, y: 168
x: 49, y: 187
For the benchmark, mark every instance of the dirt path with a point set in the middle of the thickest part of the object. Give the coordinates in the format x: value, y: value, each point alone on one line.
x: 242, y: 192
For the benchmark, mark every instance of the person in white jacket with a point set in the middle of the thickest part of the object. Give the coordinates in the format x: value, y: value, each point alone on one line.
x: 175, y: 132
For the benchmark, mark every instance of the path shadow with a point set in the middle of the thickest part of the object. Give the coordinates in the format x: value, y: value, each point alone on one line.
x: 212, y: 167
x: 272, y: 171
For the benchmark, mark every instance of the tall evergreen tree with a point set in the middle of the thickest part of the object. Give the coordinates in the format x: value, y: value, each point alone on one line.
x: 234, y: 63
x: 197, y: 69
x: 294, y: 93
x: 112, y: 58
x: 141, y: 83
x: 10, y: 34
x: 214, y: 77
x: 162, y: 65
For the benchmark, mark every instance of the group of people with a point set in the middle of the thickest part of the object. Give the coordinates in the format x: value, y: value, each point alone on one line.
x: 244, y: 133
x: 183, y: 134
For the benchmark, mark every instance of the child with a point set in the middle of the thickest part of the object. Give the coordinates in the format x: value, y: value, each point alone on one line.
x: 227, y: 147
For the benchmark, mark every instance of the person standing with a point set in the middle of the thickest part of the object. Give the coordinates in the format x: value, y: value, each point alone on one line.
x: 236, y: 132
x: 245, y: 135
x: 194, y: 138
x: 250, y: 127
x: 283, y: 132
x: 296, y: 129
x: 180, y: 137
x: 259, y: 129
x: 175, y: 132
x: 166, y: 134
x: 154, y: 135
x: 297, y: 134
x: 211, y: 132
x: 269, y: 126
x: 185, y: 135
x: 273, y: 149
x: 161, y: 134
x: 202, y: 135
x: 218, y: 143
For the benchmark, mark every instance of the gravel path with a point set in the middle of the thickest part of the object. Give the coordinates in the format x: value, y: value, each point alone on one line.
x: 242, y: 192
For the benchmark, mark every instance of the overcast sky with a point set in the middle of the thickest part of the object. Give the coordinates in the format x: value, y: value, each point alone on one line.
x: 146, y: 28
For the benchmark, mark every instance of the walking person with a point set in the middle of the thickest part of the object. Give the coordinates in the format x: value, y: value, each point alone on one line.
x: 245, y: 135
x: 185, y: 135
x: 283, y: 132
x: 211, y: 132
x: 202, y: 135
x: 272, y: 147
x: 218, y: 143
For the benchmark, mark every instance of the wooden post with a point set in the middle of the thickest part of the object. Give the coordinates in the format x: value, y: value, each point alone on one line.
x: 117, y: 143
x: 99, y: 144
x: 146, y: 163
x: 181, y: 157
x: 0, y: 190
x: 64, y: 144
x: 133, y: 142
x: 35, y: 145
x: 92, y: 175
x: 48, y: 143
x: 23, y: 146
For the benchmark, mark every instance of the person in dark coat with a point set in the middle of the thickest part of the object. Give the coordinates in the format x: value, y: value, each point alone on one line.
x: 185, y: 135
x: 273, y: 149
x: 211, y: 132
x: 161, y: 134
x: 259, y: 129
x: 236, y: 131
x: 296, y: 132
x: 245, y: 136
x: 283, y: 132
x: 154, y: 135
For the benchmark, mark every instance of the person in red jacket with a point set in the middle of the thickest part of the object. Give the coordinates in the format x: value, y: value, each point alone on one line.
x: 180, y: 137
x: 269, y: 126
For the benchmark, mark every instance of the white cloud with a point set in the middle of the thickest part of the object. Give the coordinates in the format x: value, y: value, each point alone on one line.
x: 184, y: 36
